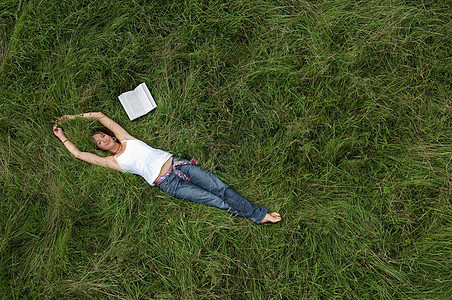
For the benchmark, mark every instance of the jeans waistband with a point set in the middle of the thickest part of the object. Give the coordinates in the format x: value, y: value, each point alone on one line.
x: 177, y: 161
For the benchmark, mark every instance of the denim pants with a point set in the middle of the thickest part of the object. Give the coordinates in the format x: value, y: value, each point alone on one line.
x: 208, y: 189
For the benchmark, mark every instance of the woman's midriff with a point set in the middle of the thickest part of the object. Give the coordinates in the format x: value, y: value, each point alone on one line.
x: 166, y: 166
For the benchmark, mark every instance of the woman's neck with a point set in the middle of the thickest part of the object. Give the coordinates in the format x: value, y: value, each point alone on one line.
x: 116, y: 149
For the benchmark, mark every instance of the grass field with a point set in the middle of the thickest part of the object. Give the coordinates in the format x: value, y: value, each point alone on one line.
x: 337, y: 114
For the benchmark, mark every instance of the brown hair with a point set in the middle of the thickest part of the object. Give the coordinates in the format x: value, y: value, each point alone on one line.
x: 104, y: 131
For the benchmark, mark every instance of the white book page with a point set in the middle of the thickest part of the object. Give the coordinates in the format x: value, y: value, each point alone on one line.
x: 148, y: 93
x: 133, y: 104
x: 145, y: 97
x: 126, y: 106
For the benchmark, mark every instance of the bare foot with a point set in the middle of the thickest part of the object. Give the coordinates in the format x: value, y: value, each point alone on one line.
x: 273, y: 217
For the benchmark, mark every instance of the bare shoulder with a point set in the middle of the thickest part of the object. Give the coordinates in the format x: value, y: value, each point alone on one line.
x: 112, y: 163
x: 110, y: 158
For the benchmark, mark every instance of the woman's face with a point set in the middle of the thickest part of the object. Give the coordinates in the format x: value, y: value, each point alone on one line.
x: 103, y: 141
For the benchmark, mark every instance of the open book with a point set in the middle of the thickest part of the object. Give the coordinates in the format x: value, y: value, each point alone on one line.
x: 137, y: 102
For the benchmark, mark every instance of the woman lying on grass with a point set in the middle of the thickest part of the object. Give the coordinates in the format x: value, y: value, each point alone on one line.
x: 175, y: 176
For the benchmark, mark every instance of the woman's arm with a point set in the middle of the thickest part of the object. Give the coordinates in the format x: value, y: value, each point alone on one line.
x: 117, y: 129
x: 108, y: 162
x: 58, y: 131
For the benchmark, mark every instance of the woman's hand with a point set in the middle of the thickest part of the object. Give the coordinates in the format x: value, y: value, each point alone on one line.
x: 67, y: 117
x: 58, y: 131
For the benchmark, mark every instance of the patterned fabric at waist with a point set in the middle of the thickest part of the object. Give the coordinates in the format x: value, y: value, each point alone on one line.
x: 177, y: 161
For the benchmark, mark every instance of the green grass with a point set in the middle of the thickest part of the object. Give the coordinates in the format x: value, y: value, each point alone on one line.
x: 337, y: 114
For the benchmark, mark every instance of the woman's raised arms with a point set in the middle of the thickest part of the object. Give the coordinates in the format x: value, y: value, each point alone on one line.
x: 108, y: 161
x: 120, y: 133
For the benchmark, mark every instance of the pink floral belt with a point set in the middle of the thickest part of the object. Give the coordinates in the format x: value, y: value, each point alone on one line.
x: 177, y: 161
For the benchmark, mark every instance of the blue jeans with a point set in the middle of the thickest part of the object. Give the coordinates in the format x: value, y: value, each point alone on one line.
x: 208, y: 189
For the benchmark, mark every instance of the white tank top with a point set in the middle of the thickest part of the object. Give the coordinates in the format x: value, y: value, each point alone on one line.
x: 143, y: 160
